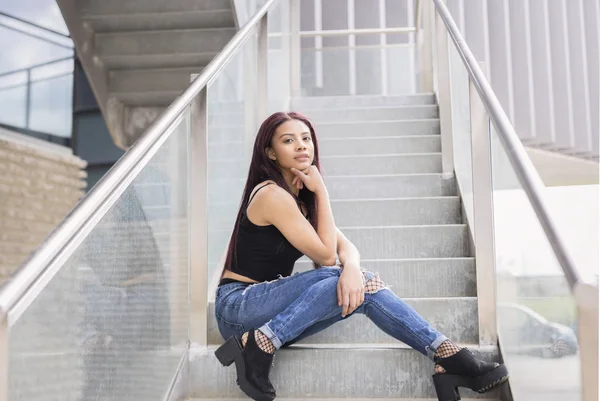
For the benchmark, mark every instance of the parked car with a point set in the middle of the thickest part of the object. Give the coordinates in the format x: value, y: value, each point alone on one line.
x: 524, y: 331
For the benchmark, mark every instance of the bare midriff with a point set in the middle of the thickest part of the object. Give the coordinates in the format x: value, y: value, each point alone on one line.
x: 238, y: 277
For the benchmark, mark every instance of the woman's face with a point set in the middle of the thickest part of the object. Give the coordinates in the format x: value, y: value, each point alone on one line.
x: 292, y: 146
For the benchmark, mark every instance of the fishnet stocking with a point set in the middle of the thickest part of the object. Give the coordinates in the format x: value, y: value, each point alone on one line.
x: 373, y: 285
x: 445, y: 350
x: 262, y: 341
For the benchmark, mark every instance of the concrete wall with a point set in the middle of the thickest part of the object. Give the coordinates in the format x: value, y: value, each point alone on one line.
x: 39, y: 184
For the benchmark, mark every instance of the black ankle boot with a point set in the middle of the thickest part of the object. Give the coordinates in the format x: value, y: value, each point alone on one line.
x: 252, y: 365
x: 464, y: 370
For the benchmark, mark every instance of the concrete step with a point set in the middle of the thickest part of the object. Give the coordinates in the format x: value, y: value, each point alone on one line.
x: 393, y: 212
x: 389, y: 186
x: 401, y: 242
x: 161, y: 49
x: 354, y: 129
x: 332, y: 371
x: 160, y: 21
x: 154, y: 87
x: 227, y: 132
x: 383, y: 145
x: 421, y: 278
x: 326, y: 102
x: 349, y: 165
x: 370, y: 212
x: 328, y: 399
x: 454, y: 317
x: 354, y: 187
x: 390, y: 113
x: 117, y: 7
x: 382, y: 164
x: 347, y: 146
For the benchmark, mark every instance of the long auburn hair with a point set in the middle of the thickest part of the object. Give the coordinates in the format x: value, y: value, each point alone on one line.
x: 262, y: 169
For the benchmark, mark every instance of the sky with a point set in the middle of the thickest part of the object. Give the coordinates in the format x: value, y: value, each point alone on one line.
x: 51, y: 99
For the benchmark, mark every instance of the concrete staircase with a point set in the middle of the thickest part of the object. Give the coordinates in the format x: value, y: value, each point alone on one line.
x: 381, y: 162
x: 138, y: 55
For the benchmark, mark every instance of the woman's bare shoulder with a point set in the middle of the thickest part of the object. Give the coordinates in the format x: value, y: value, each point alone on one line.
x: 270, y: 199
x: 270, y: 190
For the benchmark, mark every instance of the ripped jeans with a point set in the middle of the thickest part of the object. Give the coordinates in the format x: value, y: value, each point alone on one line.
x: 292, y: 308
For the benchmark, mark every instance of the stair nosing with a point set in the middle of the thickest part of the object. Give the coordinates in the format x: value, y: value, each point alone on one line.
x: 370, y: 138
x: 384, y: 175
x: 382, y: 155
x: 369, y: 108
x: 119, y: 33
x: 365, y: 96
x: 444, y: 197
x: 463, y: 258
x: 403, y: 226
x: 320, y: 124
x: 88, y: 17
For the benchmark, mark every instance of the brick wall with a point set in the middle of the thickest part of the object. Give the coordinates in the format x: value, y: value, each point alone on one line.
x: 40, y: 183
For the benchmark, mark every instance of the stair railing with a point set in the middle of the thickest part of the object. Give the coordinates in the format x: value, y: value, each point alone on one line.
x: 111, y: 231
x: 476, y: 153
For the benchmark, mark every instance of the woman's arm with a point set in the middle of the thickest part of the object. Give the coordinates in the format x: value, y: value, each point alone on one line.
x: 276, y: 206
x: 347, y: 252
x: 350, y: 288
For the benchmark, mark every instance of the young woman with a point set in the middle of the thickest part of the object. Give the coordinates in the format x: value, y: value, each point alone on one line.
x: 260, y: 307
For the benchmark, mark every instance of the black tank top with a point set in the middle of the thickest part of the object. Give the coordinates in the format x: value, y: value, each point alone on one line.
x: 263, y: 252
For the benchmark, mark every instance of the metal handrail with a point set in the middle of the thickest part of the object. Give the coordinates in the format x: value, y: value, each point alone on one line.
x: 526, y: 172
x: 31, y: 67
x: 116, y: 180
x: 33, y: 24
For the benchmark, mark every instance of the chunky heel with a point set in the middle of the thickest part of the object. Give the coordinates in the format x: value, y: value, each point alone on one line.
x: 252, y: 366
x: 490, y: 380
x: 446, y: 386
x: 463, y: 369
x: 226, y: 353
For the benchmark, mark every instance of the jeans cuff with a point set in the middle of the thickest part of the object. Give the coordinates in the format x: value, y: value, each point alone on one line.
x: 266, y: 330
x: 435, y: 345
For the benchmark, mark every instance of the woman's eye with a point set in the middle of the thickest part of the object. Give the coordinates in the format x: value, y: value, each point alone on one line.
x: 307, y: 138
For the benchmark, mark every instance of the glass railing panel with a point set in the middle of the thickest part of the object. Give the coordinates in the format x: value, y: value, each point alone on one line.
x: 13, y: 97
x: 461, y: 130
x: 112, y: 324
x: 34, y: 96
x: 51, y: 104
x: 231, y: 131
x: 358, y: 70
x: 536, y: 311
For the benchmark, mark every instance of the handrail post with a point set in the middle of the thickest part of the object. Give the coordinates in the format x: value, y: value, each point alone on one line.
x: 295, y: 54
x: 483, y: 213
x: 443, y: 92
x: 424, y: 42
x: 3, y: 356
x: 198, y: 209
x: 262, y: 65
x: 28, y: 100
x: 586, y: 296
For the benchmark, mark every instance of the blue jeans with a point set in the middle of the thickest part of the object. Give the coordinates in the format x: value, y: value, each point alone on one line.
x: 292, y: 308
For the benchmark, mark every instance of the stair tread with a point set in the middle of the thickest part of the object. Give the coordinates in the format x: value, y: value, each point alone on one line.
x: 382, y: 155
x: 404, y: 120
x: 337, y: 399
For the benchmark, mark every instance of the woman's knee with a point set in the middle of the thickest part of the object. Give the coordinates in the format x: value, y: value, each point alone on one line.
x: 373, y: 283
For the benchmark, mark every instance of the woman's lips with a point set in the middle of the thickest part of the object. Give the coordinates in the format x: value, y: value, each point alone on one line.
x: 303, y: 158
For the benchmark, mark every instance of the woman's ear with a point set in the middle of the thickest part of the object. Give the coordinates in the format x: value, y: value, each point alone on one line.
x: 270, y: 154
